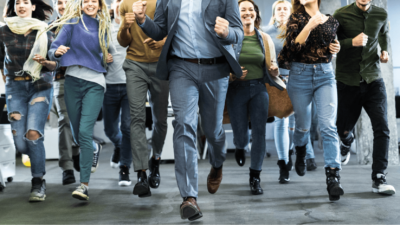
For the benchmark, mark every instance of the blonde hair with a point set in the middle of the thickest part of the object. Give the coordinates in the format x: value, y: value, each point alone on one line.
x: 74, y: 10
x: 272, y: 21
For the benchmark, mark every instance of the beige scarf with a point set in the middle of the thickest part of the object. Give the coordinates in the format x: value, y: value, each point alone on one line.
x: 21, y: 26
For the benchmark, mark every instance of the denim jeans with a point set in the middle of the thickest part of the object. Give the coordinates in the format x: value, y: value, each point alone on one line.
x: 249, y: 99
x: 28, y: 110
x: 283, y: 136
x: 195, y: 87
x: 66, y: 143
x: 315, y: 82
x: 116, y: 110
x: 84, y: 100
x: 372, y: 97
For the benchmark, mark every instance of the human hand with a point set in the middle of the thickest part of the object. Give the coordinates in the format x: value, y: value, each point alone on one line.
x: 273, y: 70
x: 61, y: 50
x: 221, y: 27
x: 109, y: 58
x: 154, y: 45
x: 334, y: 48
x: 316, y: 20
x: 245, y: 72
x: 384, y: 57
x: 129, y: 19
x: 139, y: 8
x: 360, y: 41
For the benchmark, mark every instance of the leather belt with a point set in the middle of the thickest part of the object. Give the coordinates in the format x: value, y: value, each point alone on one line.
x: 24, y: 78
x: 60, y: 76
x: 210, y: 61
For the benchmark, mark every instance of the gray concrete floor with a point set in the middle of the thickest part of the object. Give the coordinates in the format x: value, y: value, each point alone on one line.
x: 304, y: 200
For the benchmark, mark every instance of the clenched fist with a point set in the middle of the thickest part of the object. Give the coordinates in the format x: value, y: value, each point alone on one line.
x: 109, y: 58
x: 221, y: 27
x: 360, y: 41
x: 139, y: 8
x: 129, y: 19
x: 384, y: 57
x: 316, y: 20
x: 154, y: 45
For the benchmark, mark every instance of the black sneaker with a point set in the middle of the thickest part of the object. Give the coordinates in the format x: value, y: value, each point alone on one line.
x: 77, y: 166
x: 68, y: 177
x: 334, y: 187
x: 38, y: 190
x: 300, y: 165
x: 81, y: 193
x: 311, y: 164
x: 114, y: 161
x: 283, y: 172
x: 142, y: 188
x: 380, y: 186
x: 96, y: 155
x: 154, y: 173
x: 345, y: 150
x: 124, y: 176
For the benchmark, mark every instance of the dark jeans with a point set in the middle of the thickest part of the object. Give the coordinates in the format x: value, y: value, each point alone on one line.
x: 249, y: 99
x: 372, y: 97
x: 116, y: 110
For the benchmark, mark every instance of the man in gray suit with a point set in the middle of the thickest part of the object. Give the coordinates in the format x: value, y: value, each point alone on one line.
x: 196, y: 59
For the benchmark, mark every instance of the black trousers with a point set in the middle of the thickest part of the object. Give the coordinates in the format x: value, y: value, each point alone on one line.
x: 372, y: 97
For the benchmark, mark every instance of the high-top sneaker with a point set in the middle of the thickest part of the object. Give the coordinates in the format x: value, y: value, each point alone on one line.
x: 81, y: 192
x: 300, y: 165
x: 380, y: 186
x: 333, y: 183
x: 142, y: 188
x: 154, y: 172
x: 38, y: 190
x: 124, y: 176
x: 96, y: 155
x: 114, y: 161
x: 254, y: 182
x: 283, y: 172
x: 345, y: 149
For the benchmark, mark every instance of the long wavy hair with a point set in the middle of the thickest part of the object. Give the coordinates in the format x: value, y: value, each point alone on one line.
x: 257, y: 22
x: 74, y: 10
x: 272, y: 21
x: 42, y: 11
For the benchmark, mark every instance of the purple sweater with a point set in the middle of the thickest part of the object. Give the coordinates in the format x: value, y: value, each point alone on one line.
x: 84, y: 45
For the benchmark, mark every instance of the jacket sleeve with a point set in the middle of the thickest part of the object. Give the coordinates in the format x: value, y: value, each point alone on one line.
x: 235, y: 24
x: 63, y: 38
x: 158, y: 28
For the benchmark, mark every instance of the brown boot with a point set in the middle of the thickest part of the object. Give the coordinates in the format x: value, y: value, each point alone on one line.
x: 214, y: 180
x: 190, y: 210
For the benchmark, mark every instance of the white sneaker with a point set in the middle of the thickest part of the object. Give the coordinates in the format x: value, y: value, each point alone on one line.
x: 96, y: 155
x: 380, y: 186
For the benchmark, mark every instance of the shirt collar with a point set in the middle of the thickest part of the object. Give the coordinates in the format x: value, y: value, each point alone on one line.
x: 358, y: 10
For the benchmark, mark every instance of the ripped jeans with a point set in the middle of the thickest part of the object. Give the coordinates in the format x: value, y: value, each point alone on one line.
x: 28, y: 111
x: 308, y: 82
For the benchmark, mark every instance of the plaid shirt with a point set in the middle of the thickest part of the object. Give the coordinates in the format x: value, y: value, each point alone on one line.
x: 15, y: 50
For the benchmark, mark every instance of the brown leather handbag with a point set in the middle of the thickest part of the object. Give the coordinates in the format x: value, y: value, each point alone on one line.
x: 280, y: 104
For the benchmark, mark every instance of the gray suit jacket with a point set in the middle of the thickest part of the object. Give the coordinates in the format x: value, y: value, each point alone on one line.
x: 165, y: 23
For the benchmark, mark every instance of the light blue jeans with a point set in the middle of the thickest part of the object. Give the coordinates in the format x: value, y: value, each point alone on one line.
x: 315, y: 82
x: 283, y: 136
x: 192, y: 87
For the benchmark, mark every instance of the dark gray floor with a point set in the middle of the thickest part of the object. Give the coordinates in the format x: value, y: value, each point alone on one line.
x: 303, y: 201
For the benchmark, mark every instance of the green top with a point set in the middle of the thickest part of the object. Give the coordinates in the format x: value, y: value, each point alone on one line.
x: 356, y: 63
x: 252, y: 57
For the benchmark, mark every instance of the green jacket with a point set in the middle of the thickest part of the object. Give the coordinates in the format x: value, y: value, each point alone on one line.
x: 356, y: 63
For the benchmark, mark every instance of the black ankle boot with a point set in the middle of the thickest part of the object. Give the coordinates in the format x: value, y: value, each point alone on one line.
x: 255, y: 181
x: 154, y: 173
x: 142, y: 188
x: 333, y: 184
x: 283, y: 172
x: 240, y: 156
x: 300, y: 165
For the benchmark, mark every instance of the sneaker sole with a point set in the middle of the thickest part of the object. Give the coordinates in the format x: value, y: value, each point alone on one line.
x: 386, y: 192
x: 344, y: 162
x: 284, y: 181
x: 37, y: 199
x: 191, y: 213
x: 95, y: 168
x: 124, y: 183
x: 80, y: 196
